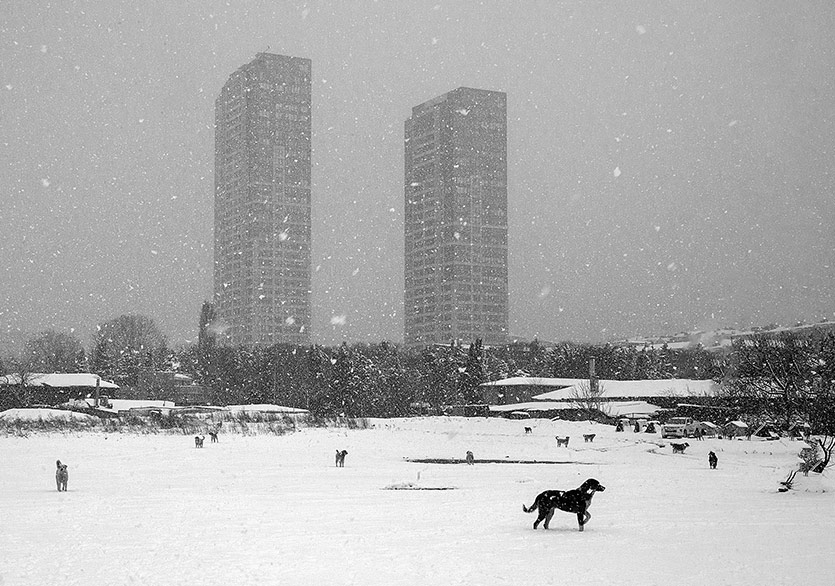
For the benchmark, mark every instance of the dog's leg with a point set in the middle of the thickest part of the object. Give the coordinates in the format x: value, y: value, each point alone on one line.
x: 548, y: 519
x: 543, y: 514
x: 583, y: 518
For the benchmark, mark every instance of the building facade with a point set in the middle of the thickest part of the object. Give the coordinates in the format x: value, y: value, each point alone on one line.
x: 262, y: 261
x: 455, y: 188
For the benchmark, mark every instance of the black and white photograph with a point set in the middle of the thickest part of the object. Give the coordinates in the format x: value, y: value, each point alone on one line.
x: 322, y: 292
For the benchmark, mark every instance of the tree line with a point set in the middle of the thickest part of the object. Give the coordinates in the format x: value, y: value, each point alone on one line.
x: 784, y: 376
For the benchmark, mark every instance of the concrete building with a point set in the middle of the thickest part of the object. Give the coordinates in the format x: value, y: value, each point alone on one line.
x: 456, y: 219
x: 262, y: 272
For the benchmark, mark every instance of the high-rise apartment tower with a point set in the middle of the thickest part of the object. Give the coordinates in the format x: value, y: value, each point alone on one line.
x: 456, y: 219
x: 262, y: 203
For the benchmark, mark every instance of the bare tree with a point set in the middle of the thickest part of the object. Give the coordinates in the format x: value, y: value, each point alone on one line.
x: 18, y: 381
x: 123, y: 345
x: 589, y: 399
x: 54, y: 351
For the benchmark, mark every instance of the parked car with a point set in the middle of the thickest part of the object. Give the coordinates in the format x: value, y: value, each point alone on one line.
x: 679, y: 427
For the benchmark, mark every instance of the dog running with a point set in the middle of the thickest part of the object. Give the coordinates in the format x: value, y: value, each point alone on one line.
x: 575, y: 501
x: 588, y: 437
x: 198, y: 441
x: 61, y: 476
x: 562, y: 441
x: 528, y: 430
x: 340, y: 458
x: 712, y: 460
x: 679, y: 448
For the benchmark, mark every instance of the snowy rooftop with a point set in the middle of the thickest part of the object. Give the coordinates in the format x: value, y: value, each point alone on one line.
x: 266, y: 408
x: 565, y: 387
x: 32, y: 414
x: 640, y: 388
x: 613, y: 408
x: 79, y: 379
x: 117, y: 405
x: 533, y: 380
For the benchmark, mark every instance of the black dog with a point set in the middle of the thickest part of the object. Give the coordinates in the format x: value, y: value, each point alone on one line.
x: 198, y: 441
x: 340, y: 458
x: 679, y: 448
x: 712, y: 460
x: 571, y: 501
x: 213, y: 436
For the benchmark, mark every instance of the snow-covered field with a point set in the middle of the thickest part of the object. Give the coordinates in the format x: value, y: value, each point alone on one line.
x: 263, y: 509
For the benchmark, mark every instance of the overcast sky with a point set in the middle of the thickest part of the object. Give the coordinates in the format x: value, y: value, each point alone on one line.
x: 670, y: 163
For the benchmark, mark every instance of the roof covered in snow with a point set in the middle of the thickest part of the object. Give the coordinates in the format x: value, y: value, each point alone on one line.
x: 612, y: 389
x: 532, y: 380
x: 266, y: 408
x: 613, y: 408
x: 40, y: 414
x: 76, y: 379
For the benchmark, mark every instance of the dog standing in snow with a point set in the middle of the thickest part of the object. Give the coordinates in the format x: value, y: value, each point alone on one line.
x: 470, y: 458
x: 340, y: 458
x: 712, y: 460
x: 61, y: 476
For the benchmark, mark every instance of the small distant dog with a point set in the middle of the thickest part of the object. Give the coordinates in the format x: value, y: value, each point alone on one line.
x: 340, y: 458
x: 213, y: 436
x: 562, y: 441
x: 588, y: 437
x: 528, y: 430
x: 712, y: 460
x: 61, y: 476
x: 575, y: 501
x: 470, y: 458
x: 679, y: 448
x: 198, y: 441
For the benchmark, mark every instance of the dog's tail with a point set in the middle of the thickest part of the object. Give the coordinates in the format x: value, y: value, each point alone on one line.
x: 532, y: 508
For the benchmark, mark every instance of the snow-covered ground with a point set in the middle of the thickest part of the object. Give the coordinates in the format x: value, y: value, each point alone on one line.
x: 264, y: 509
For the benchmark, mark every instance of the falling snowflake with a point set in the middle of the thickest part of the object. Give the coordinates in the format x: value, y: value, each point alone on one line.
x: 338, y: 320
x: 290, y: 321
x: 283, y: 236
x: 45, y: 182
x: 616, y: 172
x: 641, y: 30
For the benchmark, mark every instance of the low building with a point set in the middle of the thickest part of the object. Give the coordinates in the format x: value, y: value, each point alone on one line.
x: 51, y: 388
x: 735, y: 429
x: 569, y: 398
